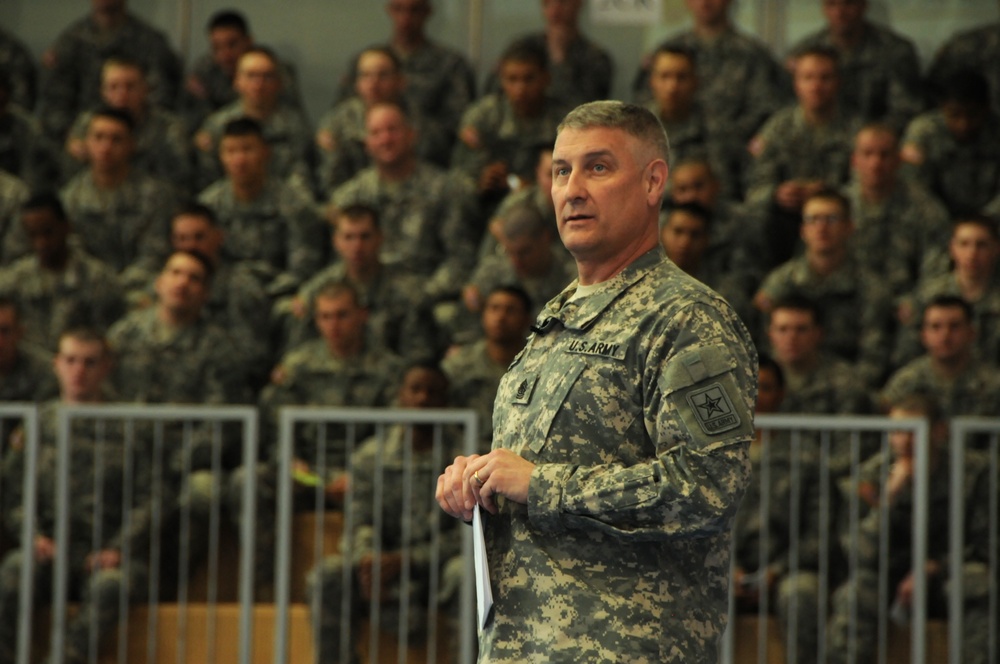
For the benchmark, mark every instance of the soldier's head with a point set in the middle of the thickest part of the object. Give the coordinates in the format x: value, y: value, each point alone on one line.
x: 182, y: 287
x: 816, y: 78
x: 408, y: 18
x: 686, y: 231
x: 526, y: 237
x: 357, y: 238
x: 104, y: 10
x: 389, y: 136
x: 915, y: 406
x: 123, y: 84
x: 709, y: 13
x: 244, y: 152
x: 561, y: 13
x: 672, y: 80
x: 975, y: 246
x: 795, y: 330
x: 258, y: 78
x: 195, y: 228
x: 770, y: 384
x: 228, y: 38
x: 379, y: 76
x: 844, y: 17
x: 81, y: 365
x: 524, y: 77
x: 875, y: 158
x: 47, y: 227
x: 109, y: 141
x: 424, y: 385
x: 947, y: 329
x: 340, y: 317
x: 11, y: 333
x: 694, y: 181
x: 964, y: 102
x: 826, y: 222
x: 506, y: 315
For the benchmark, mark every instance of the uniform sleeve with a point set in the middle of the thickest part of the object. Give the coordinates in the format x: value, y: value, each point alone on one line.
x: 698, y: 394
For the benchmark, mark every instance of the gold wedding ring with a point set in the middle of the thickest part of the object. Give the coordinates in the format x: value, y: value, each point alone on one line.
x: 475, y: 475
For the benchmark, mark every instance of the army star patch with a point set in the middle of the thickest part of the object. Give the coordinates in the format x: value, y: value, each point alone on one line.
x: 713, y: 409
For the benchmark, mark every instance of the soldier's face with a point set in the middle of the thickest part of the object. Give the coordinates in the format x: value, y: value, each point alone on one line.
x: 530, y: 256
x: 124, y: 87
x: 694, y: 183
x: 672, y: 81
x: 47, y: 234
x: 561, y: 12
x: 603, y: 184
x: 423, y: 388
x: 825, y: 225
x: 901, y: 441
x: 685, y: 239
x: 794, y: 335
x: 228, y: 44
x: 378, y: 80
x: 946, y: 333
x: 844, y: 15
x: 357, y: 241
x: 81, y: 368
x: 504, y: 318
x: 974, y: 250
x: 389, y: 139
x: 964, y: 121
x: 108, y: 143
x: 194, y: 233
x: 408, y: 16
x: 708, y: 12
x: 524, y: 85
x: 875, y: 157
x: 11, y: 332
x: 182, y: 286
x: 816, y: 83
x: 257, y: 80
x: 340, y: 321
x: 244, y: 158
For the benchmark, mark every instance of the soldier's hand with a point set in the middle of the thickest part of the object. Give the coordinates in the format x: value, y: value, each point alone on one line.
x: 104, y: 559
x: 325, y: 141
x: 470, y: 137
x: 453, y: 493
x: 298, y: 307
x: 45, y: 548
x: 203, y: 141
x: 499, y: 473
x: 470, y: 297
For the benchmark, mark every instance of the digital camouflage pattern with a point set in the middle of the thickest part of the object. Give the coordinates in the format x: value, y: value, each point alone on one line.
x: 497, y: 270
x: 637, y: 407
x: 473, y: 380
x: 976, y: 391
x: 17, y: 60
x: 31, y: 377
x: 25, y: 151
x: 978, y: 48
x: 13, y: 194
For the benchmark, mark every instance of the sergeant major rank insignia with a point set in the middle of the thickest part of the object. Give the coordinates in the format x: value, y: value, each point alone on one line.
x: 713, y: 409
x: 522, y: 393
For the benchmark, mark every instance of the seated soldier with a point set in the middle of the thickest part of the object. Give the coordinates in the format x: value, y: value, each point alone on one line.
x: 887, y: 488
x: 119, y: 213
x: 20, y: 65
x: 25, y: 372
x: 343, y: 133
x: 258, y: 82
x: 954, y: 150
x: 854, y: 301
x: 160, y: 140
x: 475, y: 369
x: 13, y: 193
x: 110, y: 524
x: 25, y: 151
x: 265, y: 219
x: 59, y: 285
x: 390, y: 554
x: 975, y: 48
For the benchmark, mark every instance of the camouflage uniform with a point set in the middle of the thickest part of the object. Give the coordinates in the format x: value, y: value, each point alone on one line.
x: 25, y: 151
x: 473, y: 380
x: 86, y: 292
x: 894, y: 237
x: 426, y: 221
x: 861, y: 592
x: 528, y: 195
x: 346, y: 123
x: 20, y: 65
x: 161, y: 146
x: 739, y: 82
x: 92, y: 514
x: 965, y: 176
x: 505, y: 137
x: 408, y: 523
x: 636, y: 404
x: 976, y: 391
x: 31, y: 377
x: 977, y: 48
x: 73, y: 84
x: 13, y: 194
x: 280, y: 228
x: 494, y: 271
x: 856, y: 306
x: 879, y: 77
x: 286, y: 133
x: 122, y: 227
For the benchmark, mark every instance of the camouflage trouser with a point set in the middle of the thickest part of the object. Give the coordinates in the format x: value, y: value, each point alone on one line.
x: 798, y: 611
x: 101, y: 594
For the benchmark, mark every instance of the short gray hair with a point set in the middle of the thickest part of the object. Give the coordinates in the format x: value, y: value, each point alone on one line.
x: 523, y: 220
x: 634, y: 120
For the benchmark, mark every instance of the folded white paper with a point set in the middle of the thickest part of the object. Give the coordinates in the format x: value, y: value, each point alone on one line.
x: 484, y: 593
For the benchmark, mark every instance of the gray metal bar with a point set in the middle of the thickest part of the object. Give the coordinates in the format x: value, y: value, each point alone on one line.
x: 29, y: 497
x: 248, y: 525
x: 375, y: 611
x: 61, y: 561
x: 921, y: 506
x: 286, y: 428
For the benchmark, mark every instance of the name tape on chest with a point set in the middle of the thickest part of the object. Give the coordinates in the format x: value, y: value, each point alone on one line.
x: 601, y: 348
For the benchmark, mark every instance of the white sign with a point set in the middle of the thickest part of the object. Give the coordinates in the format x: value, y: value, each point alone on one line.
x: 626, y: 12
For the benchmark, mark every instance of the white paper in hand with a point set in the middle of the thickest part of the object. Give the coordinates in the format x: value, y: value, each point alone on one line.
x: 484, y: 593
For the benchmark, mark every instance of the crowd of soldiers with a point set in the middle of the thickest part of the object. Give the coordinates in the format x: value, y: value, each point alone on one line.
x: 188, y: 237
